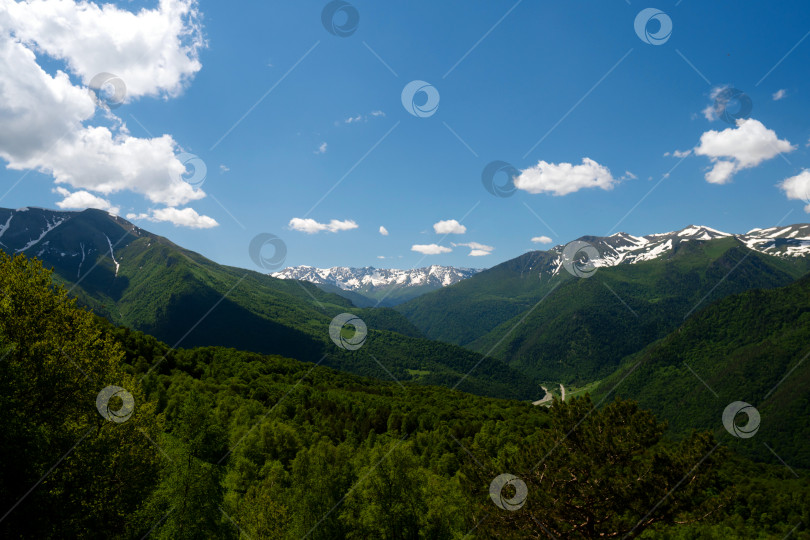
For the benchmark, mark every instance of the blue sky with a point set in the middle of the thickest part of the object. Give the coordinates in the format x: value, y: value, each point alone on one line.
x: 552, y: 82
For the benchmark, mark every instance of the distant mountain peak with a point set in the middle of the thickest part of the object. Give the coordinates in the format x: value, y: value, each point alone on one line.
x: 384, y: 284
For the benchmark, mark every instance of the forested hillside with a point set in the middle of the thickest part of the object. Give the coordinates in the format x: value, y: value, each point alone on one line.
x: 218, y: 443
x: 751, y: 347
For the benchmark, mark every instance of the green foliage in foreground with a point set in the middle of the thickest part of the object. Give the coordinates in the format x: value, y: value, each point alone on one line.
x: 55, y: 361
x: 223, y: 442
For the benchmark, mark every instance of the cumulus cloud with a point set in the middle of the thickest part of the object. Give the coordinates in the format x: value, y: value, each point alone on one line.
x: 321, y: 149
x: 187, y: 217
x: 798, y: 188
x: 183, y: 217
x: 779, y: 94
x: 541, y: 240
x: 476, y: 249
x: 310, y: 226
x: 564, y: 178
x: 746, y: 145
x: 83, y: 199
x: 678, y: 153
x: 430, y: 249
x: 155, y: 51
x: 383, y: 231
x: 449, y: 226
x: 46, y: 117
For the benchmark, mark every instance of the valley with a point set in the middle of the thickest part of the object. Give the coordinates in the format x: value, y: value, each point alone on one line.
x: 683, y: 329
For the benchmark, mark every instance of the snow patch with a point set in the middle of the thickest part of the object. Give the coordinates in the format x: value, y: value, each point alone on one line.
x: 79, y: 271
x: 5, y: 226
x: 112, y: 255
x: 50, y: 226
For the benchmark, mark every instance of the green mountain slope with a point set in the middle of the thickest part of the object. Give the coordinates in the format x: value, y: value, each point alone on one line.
x: 752, y: 347
x: 576, y: 330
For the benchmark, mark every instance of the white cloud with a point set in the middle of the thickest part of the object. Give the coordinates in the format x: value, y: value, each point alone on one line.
x: 383, y: 231
x: 185, y: 217
x: 628, y: 176
x: 449, y: 226
x: 363, y: 117
x: 476, y: 249
x: 779, y: 94
x: 542, y: 240
x: 310, y: 226
x: 430, y: 249
x: 678, y: 153
x: 321, y: 149
x: 45, y: 117
x: 154, y: 51
x: 224, y: 168
x: 710, y: 112
x: 564, y: 178
x: 798, y: 188
x: 83, y: 199
x: 737, y: 148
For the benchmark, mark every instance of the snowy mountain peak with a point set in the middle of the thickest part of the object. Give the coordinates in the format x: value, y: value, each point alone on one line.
x: 369, y: 279
x: 624, y: 248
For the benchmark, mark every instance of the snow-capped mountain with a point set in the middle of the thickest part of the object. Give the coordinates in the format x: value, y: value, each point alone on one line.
x: 66, y: 239
x: 370, y: 278
x: 375, y: 283
x: 623, y: 248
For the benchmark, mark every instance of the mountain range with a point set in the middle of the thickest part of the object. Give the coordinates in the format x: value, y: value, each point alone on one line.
x: 369, y: 286
x: 732, y: 306
x: 541, y: 319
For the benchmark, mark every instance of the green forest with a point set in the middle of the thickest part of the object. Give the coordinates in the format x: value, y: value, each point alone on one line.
x: 119, y: 436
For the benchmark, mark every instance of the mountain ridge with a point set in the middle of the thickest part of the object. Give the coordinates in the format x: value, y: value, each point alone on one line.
x: 624, y: 248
